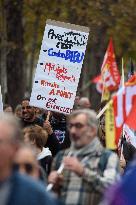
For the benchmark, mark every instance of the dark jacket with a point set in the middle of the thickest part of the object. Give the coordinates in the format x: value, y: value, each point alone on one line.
x: 53, y: 144
x: 45, y: 160
x: 128, y: 151
x: 25, y: 191
x: 60, y: 131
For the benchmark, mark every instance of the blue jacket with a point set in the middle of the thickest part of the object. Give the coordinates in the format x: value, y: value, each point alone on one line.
x: 26, y: 191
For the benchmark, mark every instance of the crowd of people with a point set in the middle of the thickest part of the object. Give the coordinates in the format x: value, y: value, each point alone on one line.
x: 41, y: 149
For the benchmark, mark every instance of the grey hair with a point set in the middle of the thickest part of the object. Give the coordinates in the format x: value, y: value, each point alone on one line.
x: 11, y: 120
x: 91, y: 116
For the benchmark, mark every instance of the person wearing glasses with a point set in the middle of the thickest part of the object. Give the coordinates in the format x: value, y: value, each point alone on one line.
x: 25, y: 162
x: 16, y: 189
x: 88, y: 168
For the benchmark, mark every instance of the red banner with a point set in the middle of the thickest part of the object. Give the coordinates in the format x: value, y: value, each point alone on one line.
x: 109, y: 70
x: 124, y: 104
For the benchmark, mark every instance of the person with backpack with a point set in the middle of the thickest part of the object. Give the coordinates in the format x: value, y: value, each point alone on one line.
x: 88, y: 167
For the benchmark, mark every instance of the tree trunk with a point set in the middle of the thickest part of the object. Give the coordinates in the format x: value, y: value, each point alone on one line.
x: 15, y: 58
x: 3, y: 52
x: 34, y: 44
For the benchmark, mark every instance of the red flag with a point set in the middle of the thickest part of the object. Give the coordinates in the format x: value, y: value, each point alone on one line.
x: 98, y: 81
x: 109, y: 70
x: 131, y: 119
x: 124, y: 103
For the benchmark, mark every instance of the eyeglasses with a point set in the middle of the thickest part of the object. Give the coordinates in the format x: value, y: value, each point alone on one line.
x: 76, y: 125
x: 27, y: 166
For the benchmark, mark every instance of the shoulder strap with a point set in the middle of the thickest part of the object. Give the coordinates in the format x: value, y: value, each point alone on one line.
x: 59, y: 157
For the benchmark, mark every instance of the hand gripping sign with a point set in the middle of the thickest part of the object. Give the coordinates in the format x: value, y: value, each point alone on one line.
x: 59, y: 66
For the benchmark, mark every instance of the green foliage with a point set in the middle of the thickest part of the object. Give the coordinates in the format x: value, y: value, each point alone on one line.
x: 110, y: 18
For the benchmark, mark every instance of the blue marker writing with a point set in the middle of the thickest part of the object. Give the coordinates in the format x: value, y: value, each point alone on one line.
x: 72, y: 56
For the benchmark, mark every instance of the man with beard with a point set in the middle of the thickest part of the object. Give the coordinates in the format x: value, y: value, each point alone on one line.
x: 29, y: 118
x: 89, y: 169
x: 28, y: 114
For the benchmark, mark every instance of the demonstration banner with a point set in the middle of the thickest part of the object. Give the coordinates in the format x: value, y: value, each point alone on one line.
x: 109, y: 72
x: 109, y: 127
x: 59, y: 66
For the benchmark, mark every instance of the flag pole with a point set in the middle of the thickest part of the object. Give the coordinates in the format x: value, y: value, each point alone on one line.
x: 104, y: 109
x: 123, y: 84
x: 59, y: 171
x: 107, y: 105
x: 123, y: 78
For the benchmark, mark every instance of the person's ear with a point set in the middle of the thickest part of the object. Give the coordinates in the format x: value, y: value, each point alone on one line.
x: 93, y: 131
x: 32, y: 142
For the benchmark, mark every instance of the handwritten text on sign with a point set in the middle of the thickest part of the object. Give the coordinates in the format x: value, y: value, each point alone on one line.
x: 59, y: 66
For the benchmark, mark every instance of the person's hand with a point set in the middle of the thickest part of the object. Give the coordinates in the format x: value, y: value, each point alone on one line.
x: 55, y: 178
x: 122, y: 162
x: 47, y: 127
x: 73, y: 164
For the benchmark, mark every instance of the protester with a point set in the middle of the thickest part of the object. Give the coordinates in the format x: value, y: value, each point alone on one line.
x: 8, y: 108
x: 84, y: 102
x: 52, y: 141
x: 90, y: 168
x: 58, y: 124
x: 25, y: 162
x: 28, y: 114
x: 37, y: 136
x: 16, y: 189
x: 18, y: 111
x: 29, y: 118
x: 56, y: 127
x: 128, y: 153
x: 76, y: 102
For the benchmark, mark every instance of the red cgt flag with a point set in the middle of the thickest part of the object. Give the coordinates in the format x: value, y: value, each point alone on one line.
x: 109, y: 70
x: 98, y: 81
x: 124, y: 104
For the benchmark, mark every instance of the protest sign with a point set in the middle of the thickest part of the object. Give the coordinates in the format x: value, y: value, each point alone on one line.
x: 59, y: 66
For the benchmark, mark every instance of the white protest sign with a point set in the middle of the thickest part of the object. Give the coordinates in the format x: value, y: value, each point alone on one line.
x: 59, y: 66
x: 1, y: 103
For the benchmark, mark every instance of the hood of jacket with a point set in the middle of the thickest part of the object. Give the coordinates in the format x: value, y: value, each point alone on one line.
x: 45, y: 152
